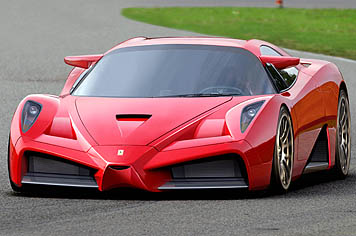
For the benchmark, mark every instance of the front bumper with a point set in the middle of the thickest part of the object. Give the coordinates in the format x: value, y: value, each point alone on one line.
x: 140, y: 167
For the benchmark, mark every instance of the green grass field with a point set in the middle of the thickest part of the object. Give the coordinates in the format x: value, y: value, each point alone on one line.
x: 327, y: 31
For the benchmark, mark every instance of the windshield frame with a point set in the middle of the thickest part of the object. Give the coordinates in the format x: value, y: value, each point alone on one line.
x: 85, y: 73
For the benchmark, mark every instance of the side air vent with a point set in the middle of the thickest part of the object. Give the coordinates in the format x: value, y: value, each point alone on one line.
x: 319, y: 157
x: 320, y: 151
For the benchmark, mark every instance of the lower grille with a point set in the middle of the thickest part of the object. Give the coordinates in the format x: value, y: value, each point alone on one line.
x: 59, y: 180
x: 205, y: 183
x: 226, y: 171
x: 214, y: 168
x: 50, y: 170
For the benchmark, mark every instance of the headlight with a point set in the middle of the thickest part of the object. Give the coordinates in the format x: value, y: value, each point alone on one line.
x: 30, y: 113
x: 248, y: 113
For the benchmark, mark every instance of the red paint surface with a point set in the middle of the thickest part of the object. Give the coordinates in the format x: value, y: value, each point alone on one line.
x: 86, y: 130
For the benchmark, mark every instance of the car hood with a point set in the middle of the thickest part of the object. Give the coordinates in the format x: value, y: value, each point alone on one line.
x: 139, y: 121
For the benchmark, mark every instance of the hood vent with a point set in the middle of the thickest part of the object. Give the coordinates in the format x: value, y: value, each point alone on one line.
x: 128, y: 123
x: 139, y: 121
x: 133, y: 117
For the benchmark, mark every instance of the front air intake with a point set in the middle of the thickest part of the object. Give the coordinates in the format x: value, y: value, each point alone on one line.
x: 225, y: 171
x: 50, y: 170
x: 217, y: 167
x: 119, y: 167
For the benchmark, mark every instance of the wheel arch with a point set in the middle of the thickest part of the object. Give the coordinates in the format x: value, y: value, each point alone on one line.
x: 49, y: 106
x: 343, y: 87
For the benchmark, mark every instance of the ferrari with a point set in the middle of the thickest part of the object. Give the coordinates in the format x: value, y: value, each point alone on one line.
x: 173, y: 113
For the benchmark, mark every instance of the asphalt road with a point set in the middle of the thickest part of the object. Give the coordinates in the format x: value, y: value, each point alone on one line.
x: 37, y: 34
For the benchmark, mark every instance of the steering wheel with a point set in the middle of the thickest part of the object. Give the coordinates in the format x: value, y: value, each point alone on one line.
x: 221, y: 90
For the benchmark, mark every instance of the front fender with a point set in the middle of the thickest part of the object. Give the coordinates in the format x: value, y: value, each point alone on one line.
x: 49, y: 105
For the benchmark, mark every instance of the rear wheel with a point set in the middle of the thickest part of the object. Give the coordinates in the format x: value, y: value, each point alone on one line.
x: 343, y: 137
x: 282, y: 166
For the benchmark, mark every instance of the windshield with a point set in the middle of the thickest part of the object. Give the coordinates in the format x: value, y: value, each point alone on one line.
x: 176, y: 71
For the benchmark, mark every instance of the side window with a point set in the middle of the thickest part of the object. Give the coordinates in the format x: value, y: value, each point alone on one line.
x: 78, y: 80
x: 81, y: 77
x: 290, y: 74
x: 268, y: 51
x: 276, y: 77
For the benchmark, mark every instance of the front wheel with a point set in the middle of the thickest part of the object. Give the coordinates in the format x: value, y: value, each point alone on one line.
x: 282, y: 166
x: 343, y: 137
x: 12, y: 184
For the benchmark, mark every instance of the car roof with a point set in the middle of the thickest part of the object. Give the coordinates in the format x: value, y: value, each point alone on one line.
x: 252, y: 45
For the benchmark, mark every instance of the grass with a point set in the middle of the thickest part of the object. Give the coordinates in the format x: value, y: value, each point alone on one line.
x: 327, y: 31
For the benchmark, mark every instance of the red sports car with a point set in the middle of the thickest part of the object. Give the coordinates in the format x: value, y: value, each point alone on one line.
x: 184, y: 113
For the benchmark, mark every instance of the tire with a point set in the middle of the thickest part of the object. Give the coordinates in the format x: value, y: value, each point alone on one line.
x: 12, y: 184
x: 343, y: 137
x: 283, y: 157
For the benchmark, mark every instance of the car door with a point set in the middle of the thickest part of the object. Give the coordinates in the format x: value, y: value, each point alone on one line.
x: 308, y: 107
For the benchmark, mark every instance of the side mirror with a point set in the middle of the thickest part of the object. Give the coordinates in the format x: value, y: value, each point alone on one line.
x: 280, y: 62
x: 82, y: 61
